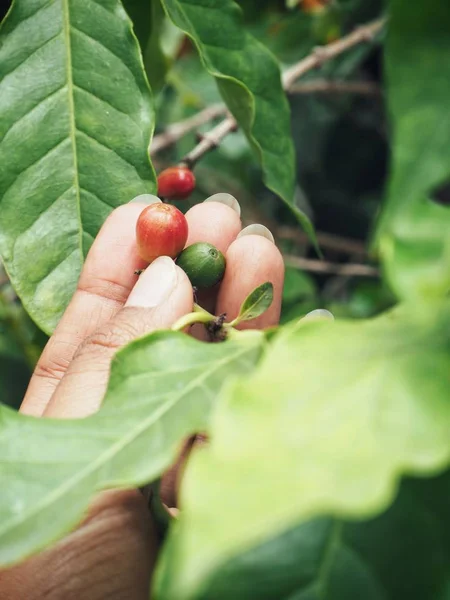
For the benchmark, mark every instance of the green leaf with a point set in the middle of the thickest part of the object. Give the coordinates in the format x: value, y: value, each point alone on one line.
x: 399, y: 554
x: 256, y: 303
x: 326, y: 425
x: 249, y: 81
x: 76, y: 121
x: 414, y: 233
x: 161, y: 390
x: 148, y: 17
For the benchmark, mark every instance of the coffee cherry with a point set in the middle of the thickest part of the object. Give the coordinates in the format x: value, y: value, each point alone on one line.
x: 203, y: 264
x: 176, y: 183
x: 161, y: 230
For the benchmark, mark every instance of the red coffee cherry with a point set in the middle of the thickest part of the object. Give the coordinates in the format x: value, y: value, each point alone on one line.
x: 176, y: 183
x: 161, y: 230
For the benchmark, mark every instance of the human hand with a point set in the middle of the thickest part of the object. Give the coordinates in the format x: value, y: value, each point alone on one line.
x: 111, y: 555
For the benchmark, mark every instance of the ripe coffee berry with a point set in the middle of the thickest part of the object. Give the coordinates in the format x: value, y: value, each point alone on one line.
x: 161, y: 230
x: 176, y: 183
x: 203, y: 264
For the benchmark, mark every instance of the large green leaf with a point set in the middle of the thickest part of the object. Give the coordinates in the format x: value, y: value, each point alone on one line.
x: 75, y: 122
x: 401, y: 554
x: 414, y: 233
x: 161, y: 390
x: 329, y: 421
x: 249, y: 81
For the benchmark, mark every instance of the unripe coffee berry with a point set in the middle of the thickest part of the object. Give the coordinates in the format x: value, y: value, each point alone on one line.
x: 176, y: 183
x: 161, y: 230
x: 203, y: 264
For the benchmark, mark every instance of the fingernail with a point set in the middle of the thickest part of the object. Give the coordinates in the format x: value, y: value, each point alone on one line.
x: 145, y: 199
x: 155, y: 284
x: 320, y: 314
x: 172, y: 511
x: 257, y: 229
x: 226, y: 199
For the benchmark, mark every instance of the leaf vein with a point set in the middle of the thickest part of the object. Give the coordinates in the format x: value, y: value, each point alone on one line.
x: 5, y: 75
x: 34, y: 163
x: 102, y: 100
x: 29, y: 111
x: 83, y: 33
x: 103, y: 145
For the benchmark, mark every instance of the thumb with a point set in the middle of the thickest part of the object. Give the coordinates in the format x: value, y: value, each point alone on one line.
x: 162, y: 295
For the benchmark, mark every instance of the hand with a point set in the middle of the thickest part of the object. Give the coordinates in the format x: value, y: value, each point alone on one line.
x: 111, y: 555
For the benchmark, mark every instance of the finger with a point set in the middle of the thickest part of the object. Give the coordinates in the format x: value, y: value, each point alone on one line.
x: 214, y: 222
x: 104, y: 285
x: 252, y: 260
x: 217, y: 223
x: 162, y: 295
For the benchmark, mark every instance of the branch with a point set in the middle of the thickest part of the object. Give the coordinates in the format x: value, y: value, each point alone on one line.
x: 210, y: 140
x: 319, y: 266
x: 178, y: 130
x: 326, y: 240
x: 365, y: 88
x: 322, y: 54
x: 316, y: 59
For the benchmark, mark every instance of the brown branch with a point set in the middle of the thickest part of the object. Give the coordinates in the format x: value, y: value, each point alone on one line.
x: 178, y: 130
x: 322, y: 86
x: 210, y: 140
x: 326, y: 240
x: 319, y: 56
x: 320, y: 266
x: 322, y: 54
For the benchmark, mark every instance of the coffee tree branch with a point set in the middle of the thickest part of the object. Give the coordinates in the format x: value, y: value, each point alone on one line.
x: 323, y: 54
x: 214, y: 137
x: 178, y: 130
x: 320, y: 266
x: 323, y: 86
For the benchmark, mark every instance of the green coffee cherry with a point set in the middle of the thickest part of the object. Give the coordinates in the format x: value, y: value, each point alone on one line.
x: 203, y: 264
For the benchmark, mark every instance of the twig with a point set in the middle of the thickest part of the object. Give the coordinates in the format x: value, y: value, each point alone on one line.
x: 365, y: 88
x: 319, y: 266
x: 326, y: 240
x: 320, y: 55
x: 210, y: 141
x: 178, y: 130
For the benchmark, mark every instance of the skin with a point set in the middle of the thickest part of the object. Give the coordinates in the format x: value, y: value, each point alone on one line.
x: 112, y: 553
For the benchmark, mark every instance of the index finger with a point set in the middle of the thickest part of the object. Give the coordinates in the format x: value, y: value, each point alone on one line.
x: 105, y: 283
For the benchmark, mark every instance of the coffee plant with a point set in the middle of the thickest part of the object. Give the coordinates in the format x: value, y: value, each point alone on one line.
x: 325, y: 472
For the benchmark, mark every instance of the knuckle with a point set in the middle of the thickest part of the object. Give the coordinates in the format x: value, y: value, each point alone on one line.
x: 110, y: 338
x: 53, y: 368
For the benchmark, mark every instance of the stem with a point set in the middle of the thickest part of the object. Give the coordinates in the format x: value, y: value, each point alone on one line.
x: 191, y: 318
x: 209, y: 141
x: 323, y: 86
x: 214, y: 137
x: 178, y: 130
x: 320, y: 266
x: 322, y: 54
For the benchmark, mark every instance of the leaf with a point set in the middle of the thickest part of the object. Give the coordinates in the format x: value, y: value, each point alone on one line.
x: 414, y: 232
x: 160, y: 391
x: 325, y: 426
x: 76, y: 120
x: 399, y: 554
x: 249, y: 81
x: 148, y: 17
x: 256, y: 303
